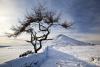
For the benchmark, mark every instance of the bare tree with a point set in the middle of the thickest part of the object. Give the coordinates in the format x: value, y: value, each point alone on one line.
x: 42, y: 20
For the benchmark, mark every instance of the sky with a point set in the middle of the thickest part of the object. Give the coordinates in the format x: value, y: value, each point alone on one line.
x: 85, y: 14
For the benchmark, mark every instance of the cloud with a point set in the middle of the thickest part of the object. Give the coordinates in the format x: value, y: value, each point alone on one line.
x: 84, y: 13
x: 11, y: 11
x: 97, y: 29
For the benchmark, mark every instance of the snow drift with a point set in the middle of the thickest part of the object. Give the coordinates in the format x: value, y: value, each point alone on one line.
x: 57, y: 58
x: 32, y: 60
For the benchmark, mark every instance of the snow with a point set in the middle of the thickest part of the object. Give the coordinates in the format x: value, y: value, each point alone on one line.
x: 65, y: 40
x: 9, y: 53
x: 63, y: 51
x: 67, y: 52
x: 33, y: 60
x: 59, y: 58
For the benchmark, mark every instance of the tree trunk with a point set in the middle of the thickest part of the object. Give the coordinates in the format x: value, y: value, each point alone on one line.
x: 35, y: 49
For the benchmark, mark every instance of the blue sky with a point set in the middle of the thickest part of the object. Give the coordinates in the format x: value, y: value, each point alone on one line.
x: 85, y: 14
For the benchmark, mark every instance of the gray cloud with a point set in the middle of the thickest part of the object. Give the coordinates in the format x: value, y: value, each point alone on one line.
x: 85, y: 13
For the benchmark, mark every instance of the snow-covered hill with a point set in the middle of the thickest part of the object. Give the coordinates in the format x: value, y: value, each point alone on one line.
x: 61, y: 57
x: 58, y: 54
x: 65, y: 40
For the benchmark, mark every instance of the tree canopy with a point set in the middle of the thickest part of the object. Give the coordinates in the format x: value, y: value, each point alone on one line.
x: 40, y: 20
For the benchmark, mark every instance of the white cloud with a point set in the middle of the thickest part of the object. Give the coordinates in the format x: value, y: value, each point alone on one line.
x: 9, y: 14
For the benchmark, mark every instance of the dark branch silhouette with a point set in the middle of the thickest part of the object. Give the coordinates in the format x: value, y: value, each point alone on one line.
x: 43, y: 19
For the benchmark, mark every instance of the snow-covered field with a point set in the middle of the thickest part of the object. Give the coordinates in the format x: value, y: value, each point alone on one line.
x: 9, y: 53
x: 61, y: 53
x: 81, y: 52
x: 67, y: 52
x: 11, y: 49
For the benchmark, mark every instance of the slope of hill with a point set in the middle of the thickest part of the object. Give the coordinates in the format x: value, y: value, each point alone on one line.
x: 65, y: 40
x: 58, y: 57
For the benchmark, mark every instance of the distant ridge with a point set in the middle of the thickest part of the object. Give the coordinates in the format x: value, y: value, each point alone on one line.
x: 65, y: 40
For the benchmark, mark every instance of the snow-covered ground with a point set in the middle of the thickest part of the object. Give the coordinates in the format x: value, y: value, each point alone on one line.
x: 74, y: 54
x: 9, y: 53
x: 68, y: 52
x: 11, y: 49
x: 61, y: 53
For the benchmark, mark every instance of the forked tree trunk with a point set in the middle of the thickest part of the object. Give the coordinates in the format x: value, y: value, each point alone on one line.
x: 37, y: 49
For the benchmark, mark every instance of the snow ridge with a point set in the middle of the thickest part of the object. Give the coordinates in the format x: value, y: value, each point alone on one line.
x: 65, y: 40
